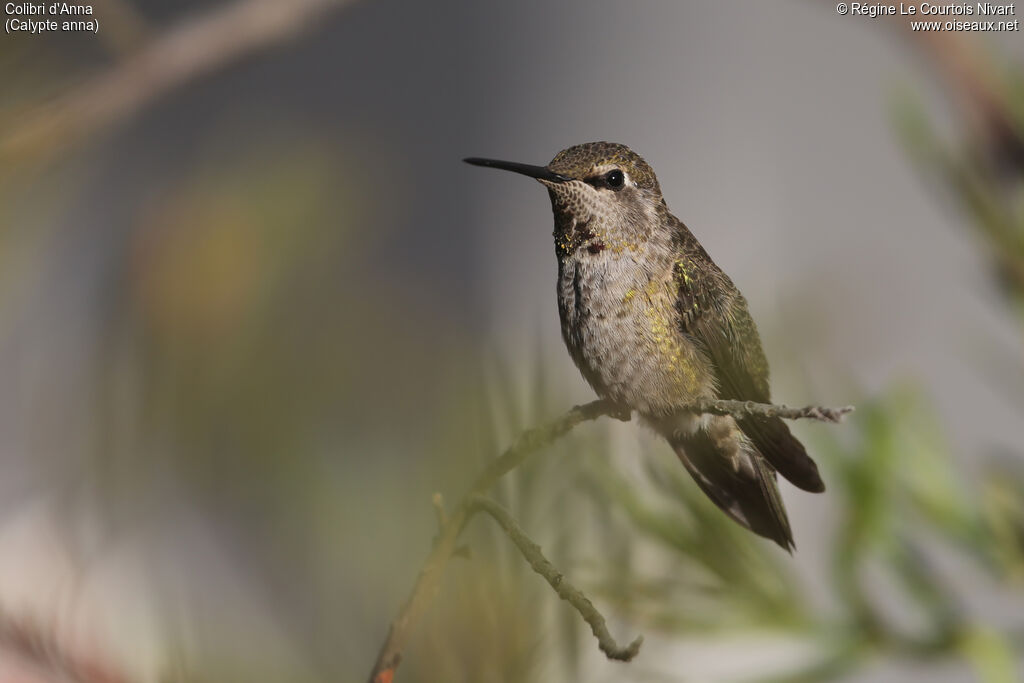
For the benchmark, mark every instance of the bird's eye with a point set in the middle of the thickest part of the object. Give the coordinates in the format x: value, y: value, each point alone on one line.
x: 615, y: 179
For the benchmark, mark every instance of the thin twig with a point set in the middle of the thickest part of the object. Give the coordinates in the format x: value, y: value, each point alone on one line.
x: 429, y: 580
x: 532, y: 553
x: 438, y: 502
x: 196, y: 47
x: 740, y: 409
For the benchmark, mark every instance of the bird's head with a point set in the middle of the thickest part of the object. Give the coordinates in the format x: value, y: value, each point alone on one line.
x: 601, y: 188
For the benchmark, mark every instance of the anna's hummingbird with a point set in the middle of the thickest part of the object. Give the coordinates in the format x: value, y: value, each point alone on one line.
x: 654, y: 325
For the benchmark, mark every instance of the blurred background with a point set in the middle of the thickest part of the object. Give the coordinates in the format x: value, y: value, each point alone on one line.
x: 254, y: 312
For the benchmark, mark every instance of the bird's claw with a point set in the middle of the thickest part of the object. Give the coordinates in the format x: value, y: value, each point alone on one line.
x: 619, y: 412
x: 605, y: 407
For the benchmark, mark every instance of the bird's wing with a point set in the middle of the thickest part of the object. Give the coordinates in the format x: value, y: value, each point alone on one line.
x: 715, y: 315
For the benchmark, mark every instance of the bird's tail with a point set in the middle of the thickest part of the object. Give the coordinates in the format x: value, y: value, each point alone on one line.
x: 772, y: 439
x: 738, y: 480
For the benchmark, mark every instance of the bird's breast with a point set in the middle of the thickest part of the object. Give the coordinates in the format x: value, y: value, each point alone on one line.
x: 621, y: 326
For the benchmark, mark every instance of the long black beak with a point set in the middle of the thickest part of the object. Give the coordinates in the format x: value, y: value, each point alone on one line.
x: 538, y: 172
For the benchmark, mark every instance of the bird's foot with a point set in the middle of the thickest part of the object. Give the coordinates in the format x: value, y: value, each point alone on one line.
x: 619, y: 411
x: 607, y: 407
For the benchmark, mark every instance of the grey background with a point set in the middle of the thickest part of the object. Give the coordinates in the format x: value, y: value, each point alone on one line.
x: 769, y: 125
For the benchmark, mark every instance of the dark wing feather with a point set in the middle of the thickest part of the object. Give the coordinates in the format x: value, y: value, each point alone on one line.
x: 749, y: 498
x: 715, y: 315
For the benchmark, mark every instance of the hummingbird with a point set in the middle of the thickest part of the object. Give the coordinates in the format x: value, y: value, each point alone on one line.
x: 654, y: 325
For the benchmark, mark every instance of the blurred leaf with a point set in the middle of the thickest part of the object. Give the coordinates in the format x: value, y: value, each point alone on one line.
x: 712, y: 576
x: 990, y: 653
x: 216, y: 253
x: 1004, y: 513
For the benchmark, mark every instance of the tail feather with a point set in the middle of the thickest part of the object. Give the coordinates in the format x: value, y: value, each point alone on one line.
x: 772, y: 438
x: 748, y: 494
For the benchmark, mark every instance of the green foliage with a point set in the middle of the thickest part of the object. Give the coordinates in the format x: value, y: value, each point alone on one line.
x: 902, y: 506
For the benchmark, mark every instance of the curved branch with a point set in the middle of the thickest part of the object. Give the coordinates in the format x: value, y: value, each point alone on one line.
x: 532, y: 553
x: 198, y: 46
x: 429, y: 580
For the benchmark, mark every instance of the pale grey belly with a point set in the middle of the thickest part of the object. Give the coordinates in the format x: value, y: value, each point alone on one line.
x: 620, y: 329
